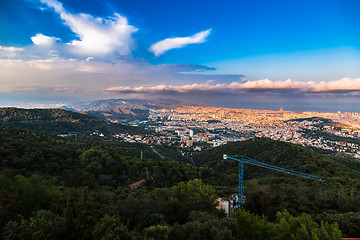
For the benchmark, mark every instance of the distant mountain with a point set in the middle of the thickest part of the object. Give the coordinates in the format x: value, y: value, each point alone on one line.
x: 67, y: 108
x: 123, y: 110
x: 125, y: 104
x: 120, y: 114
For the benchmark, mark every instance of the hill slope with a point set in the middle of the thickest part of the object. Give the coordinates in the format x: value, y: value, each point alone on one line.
x: 58, y: 121
x: 282, y: 154
x: 121, y: 114
x: 27, y: 152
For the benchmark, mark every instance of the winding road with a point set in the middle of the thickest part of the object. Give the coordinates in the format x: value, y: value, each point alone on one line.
x: 152, y: 147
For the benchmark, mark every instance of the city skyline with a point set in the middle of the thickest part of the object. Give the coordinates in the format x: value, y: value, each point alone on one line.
x: 244, y: 54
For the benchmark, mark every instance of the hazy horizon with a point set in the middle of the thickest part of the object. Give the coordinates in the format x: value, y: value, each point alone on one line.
x: 321, y: 108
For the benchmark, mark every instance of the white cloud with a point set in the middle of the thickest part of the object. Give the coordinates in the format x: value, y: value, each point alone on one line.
x: 42, y: 40
x: 344, y: 85
x: 178, y: 42
x: 98, y: 36
x: 9, y: 51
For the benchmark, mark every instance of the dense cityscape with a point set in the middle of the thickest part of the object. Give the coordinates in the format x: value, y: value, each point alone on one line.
x: 197, y: 127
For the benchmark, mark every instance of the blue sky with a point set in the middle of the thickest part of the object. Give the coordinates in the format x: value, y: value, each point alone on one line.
x: 233, y: 53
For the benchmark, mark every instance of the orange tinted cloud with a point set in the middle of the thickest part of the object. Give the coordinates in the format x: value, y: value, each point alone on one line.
x: 343, y: 85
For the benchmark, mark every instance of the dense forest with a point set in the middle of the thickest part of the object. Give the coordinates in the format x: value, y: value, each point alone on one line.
x: 59, y: 188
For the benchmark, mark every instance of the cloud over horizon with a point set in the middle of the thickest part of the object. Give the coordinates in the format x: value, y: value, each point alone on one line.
x: 341, y: 86
x: 161, y: 47
x: 88, y: 73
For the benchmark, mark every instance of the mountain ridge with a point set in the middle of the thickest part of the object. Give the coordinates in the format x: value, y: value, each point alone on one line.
x: 143, y: 104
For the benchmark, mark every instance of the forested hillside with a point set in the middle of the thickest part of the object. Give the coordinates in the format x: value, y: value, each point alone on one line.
x: 58, y: 121
x: 77, y: 163
x: 59, y: 188
x: 282, y: 154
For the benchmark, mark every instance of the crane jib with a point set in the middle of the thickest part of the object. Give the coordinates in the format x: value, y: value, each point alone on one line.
x: 243, y: 159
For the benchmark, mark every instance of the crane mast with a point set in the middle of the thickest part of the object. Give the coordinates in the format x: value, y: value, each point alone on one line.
x: 243, y: 159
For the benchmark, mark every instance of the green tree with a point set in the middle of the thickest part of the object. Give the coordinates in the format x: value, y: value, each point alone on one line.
x: 224, y: 229
x: 348, y: 222
x: 42, y: 226
x: 110, y: 228
x: 156, y: 233
x: 252, y: 227
x: 10, y: 231
x: 86, y: 215
x: 96, y: 161
x: 304, y: 228
x: 28, y: 195
x: 203, y: 216
x: 7, y: 210
x: 193, y: 195
x: 69, y: 225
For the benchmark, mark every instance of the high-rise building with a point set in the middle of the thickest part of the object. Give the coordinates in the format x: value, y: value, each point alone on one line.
x: 191, y: 133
